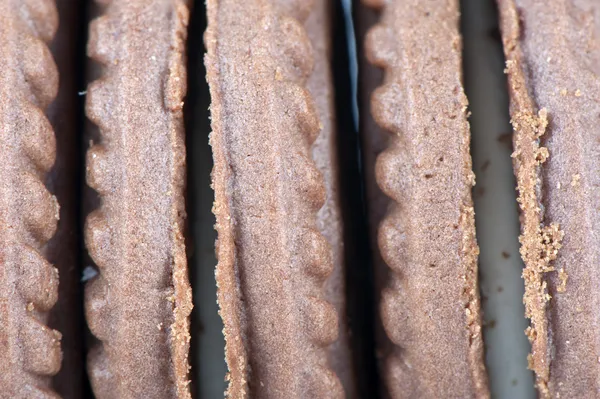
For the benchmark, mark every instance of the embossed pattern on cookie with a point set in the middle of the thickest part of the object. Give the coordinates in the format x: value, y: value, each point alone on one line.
x: 29, y: 350
x: 325, y: 154
x: 429, y: 304
x: 273, y: 260
x: 139, y: 304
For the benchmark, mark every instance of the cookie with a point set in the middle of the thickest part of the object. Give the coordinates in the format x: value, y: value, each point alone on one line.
x: 279, y: 276
x: 552, y: 59
x: 138, y: 305
x: 419, y: 177
x: 30, y: 351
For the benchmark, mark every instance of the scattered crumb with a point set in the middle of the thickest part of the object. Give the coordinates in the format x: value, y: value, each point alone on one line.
x: 278, y: 74
x: 506, y: 138
x: 494, y: 34
x: 82, y: 93
x: 490, y: 323
x: 563, y: 92
x: 505, y: 255
x: 514, y: 382
x: 529, y: 364
x: 159, y: 326
x: 472, y: 178
x: 577, y: 93
x: 563, y: 276
x: 558, y: 186
x: 485, y: 165
x: 575, y: 180
x: 541, y: 155
x: 500, y: 288
x: 30, y: 307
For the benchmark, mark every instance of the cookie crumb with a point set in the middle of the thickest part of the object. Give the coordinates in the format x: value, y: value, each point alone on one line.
x: 541, y: 155
x: 563, y: 276
x: 485, y: 165
x: 278, y: 74
x: 506, y: 138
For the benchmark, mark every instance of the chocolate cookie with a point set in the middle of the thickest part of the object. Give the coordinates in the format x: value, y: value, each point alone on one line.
x: 29, y: 350
x: 552, y: 61
x: 419, y: 178
x: 280, y: 273
x: 139, y: 305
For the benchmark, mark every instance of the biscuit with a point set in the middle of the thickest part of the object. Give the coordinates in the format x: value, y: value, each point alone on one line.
x: 419, y: 178
x: 30, y: 351
x: 138, y: 306
x: 276, y: 210
x: 552, y: 58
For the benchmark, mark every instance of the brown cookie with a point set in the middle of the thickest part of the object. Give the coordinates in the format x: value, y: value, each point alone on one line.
x: 29, y: 350
x: 139, y: 305
x: 280, y: 276
x: 553, y: 57
x: 419, y: 178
